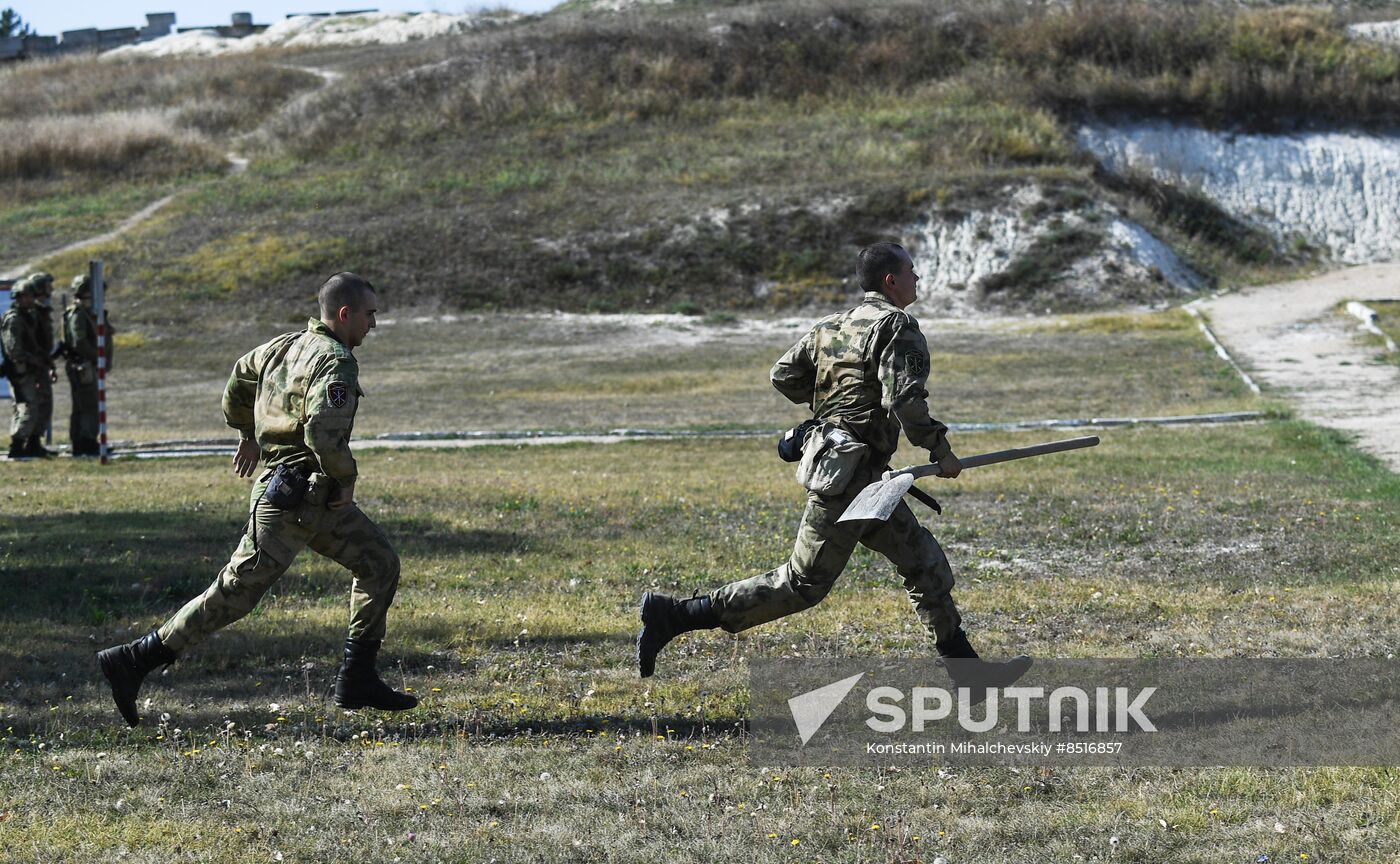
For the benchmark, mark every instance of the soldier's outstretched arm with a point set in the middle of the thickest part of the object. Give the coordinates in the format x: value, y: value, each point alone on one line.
x: 904, y: 369
x: 795, y: 373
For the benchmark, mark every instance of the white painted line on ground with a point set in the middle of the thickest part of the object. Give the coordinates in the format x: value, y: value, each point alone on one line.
x: 490, y: 438
x: 1220, y: 349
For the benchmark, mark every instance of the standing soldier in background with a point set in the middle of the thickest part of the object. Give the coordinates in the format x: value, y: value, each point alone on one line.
x: 80, y: 363
x: 29, y: 370
x: 293, y: 403
x: 43, y: 315
x: 864, y: 374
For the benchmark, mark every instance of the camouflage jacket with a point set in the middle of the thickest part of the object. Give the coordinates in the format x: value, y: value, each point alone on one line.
x: 296, y: 396
x: 866, y: 370
x: 80, y: 333
x: 43, y: 318
x: 20, y: 337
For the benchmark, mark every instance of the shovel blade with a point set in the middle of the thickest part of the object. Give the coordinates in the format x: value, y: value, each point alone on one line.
x: 878, y: 500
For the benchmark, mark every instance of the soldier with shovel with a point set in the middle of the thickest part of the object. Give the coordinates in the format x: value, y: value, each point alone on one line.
x: 863, y: 372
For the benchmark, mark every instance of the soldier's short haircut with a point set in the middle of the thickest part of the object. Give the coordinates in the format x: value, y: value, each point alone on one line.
x: 343, y: 289
x: 877, y: 262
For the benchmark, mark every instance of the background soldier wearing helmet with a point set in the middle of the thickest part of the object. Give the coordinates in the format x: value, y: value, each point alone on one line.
x: 43, y: 316
x: 29, y: 369
x: 80, y: 352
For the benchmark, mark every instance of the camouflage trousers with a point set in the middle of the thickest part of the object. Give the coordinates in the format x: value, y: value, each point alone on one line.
x: 29, y: 394
x: 820, y: 554
x: 270, y: 543
x: 82, y: 424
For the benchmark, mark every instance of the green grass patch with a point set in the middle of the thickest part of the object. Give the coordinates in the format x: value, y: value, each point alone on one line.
x: 536, y: 742
x: 38, y: 217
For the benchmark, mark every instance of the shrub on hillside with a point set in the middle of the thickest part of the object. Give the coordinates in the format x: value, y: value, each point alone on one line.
x: 215, y: 94
x: 1212, y: 62
x: 140, y: 143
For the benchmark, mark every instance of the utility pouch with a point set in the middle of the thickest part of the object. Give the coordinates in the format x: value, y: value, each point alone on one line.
x: 830, y: 458
x: 790, y: 444
x: 286, y: 489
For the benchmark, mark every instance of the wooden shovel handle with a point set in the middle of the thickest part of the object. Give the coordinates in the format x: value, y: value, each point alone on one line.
x: 1002, y: 456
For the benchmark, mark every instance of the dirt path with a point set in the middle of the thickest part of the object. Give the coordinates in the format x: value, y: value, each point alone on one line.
x: 127, y: 224
x: 1294, y: 341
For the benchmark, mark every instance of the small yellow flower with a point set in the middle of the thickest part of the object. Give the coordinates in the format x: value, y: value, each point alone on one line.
x: 795, y: 841
x: 772, y: 836
x: 874, y: 826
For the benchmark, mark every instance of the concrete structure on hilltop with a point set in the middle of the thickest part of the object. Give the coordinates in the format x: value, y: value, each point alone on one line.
x: 93, y: 40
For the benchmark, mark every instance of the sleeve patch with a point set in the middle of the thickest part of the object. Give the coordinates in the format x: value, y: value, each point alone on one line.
x: 337, y: 394
x: 915, y: 363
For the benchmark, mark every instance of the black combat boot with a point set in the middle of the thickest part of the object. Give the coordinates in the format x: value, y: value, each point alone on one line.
x: 18, y: 450
x: 663, y: 619
x: 357, y: 685
x: 127, y: 665
x: 977, y: 675
x: 35, y: 448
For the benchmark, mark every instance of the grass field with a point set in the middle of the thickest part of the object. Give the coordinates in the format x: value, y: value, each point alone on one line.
x: 535, y: 740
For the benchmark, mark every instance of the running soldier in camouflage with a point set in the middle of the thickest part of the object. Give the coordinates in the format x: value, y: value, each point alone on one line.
x: 293, y: 403
x: 28, y: 369
x: 864, y: 372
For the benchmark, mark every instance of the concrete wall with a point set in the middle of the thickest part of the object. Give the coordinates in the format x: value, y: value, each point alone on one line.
x: 90, y: 39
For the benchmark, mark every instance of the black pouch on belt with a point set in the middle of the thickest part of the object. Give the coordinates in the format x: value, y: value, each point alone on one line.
x: 286, y: 488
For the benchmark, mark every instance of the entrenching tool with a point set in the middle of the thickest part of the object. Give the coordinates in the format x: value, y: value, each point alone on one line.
x: 878, y: 500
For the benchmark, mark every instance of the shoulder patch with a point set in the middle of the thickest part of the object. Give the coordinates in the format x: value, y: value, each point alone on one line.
x: 337, y: 394
x: 915, y: 363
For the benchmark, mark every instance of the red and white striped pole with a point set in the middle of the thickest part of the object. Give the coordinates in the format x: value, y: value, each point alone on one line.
x: 99, y: 308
